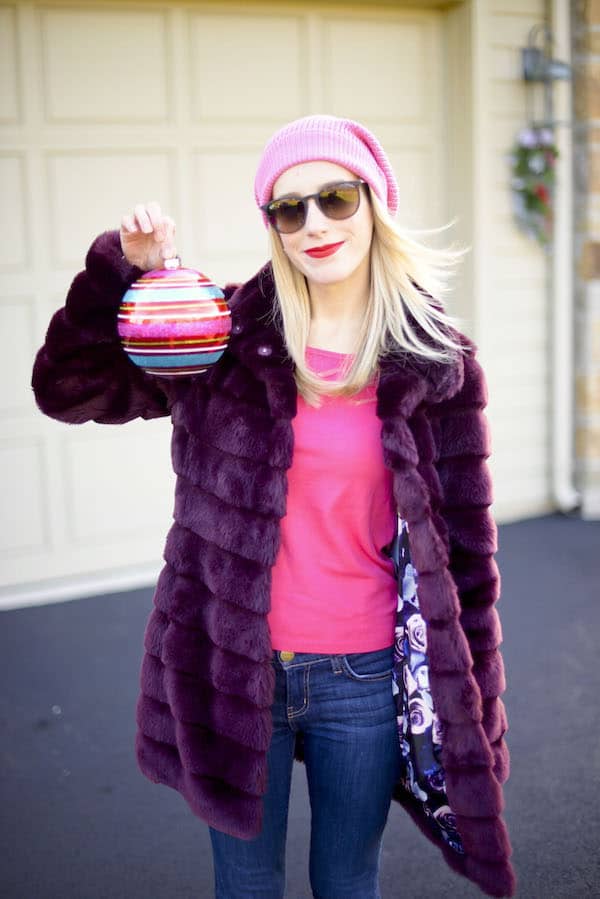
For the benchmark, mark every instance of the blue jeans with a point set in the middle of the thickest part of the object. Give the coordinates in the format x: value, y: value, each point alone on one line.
x: 344, y: 707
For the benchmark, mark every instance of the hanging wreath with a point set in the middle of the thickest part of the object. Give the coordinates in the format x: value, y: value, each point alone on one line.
x: 533, y: 158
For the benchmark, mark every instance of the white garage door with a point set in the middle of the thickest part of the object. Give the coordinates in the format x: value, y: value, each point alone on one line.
x: 102, y: 107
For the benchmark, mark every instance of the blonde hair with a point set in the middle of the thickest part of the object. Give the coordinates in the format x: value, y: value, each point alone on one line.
x: 408, y: 279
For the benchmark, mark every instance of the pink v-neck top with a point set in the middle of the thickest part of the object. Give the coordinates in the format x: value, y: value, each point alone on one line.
x: 333, y: 590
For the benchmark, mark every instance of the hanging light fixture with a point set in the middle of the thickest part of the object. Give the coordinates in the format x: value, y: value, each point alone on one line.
x: 538, y: 65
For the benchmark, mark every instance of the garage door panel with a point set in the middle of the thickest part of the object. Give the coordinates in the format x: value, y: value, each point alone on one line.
x: 17, y: 326
x: 384, y: 63
x: 225, y: 215
x: 247, y: 66
x: 104, y: 65
x: 387, y: 73
x: 88, y: 192
x: 116, y: 483
x: 10, y: 105
x: 23, y: 521
x: 420, y: 203
x: 14, y: 237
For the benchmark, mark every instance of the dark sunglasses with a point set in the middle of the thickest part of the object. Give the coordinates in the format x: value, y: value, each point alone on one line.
x: 338, y: 201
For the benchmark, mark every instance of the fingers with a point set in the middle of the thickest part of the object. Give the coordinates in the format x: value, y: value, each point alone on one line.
x: 128, y: 224
x: 143, y: 220
x: 149, y: 219
x: 154, y: 214
x: 148, y: 224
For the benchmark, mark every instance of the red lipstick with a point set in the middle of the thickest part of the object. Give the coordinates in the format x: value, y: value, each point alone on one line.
x: 321, y: 252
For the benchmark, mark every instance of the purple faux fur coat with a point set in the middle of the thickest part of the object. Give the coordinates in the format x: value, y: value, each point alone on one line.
x: 203, y: 715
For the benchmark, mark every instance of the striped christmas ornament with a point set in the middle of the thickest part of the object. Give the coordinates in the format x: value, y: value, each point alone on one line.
x: 174, y: 321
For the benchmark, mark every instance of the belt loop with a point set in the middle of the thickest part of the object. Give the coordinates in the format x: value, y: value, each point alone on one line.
x: 336, y: 664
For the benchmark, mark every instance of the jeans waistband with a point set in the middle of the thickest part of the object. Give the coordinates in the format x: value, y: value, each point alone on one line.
x: 311, y: 658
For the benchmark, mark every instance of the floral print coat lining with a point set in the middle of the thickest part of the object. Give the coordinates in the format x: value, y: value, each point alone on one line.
x: 419, y: 728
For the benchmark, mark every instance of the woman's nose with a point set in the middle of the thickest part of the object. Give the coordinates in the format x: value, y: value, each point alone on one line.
x: 315, y: 219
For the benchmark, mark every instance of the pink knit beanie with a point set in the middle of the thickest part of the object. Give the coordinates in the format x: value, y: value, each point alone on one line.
x: 331, y: 139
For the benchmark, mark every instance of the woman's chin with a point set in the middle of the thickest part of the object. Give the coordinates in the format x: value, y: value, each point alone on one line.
x: 330, y: 275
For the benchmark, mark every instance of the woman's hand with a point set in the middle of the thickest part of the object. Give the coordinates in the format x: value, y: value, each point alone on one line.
x: 147, y: 237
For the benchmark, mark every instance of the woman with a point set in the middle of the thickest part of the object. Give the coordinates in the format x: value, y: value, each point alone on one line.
x: 329, y: 585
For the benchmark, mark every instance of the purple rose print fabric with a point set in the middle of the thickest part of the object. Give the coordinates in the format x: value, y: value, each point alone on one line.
x: 419, y: 729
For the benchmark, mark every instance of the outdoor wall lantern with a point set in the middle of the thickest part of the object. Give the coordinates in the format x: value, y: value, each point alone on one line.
x: 538, y: 64
x: 533, y: 156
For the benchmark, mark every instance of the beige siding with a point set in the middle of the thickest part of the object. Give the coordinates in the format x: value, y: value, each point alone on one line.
x: 511, y: 312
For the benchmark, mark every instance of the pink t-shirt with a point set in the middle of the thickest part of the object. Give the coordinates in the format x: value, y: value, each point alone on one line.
x: 333, y: 590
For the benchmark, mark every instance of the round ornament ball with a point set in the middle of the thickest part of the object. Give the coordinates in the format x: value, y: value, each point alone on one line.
x: 174, y: 321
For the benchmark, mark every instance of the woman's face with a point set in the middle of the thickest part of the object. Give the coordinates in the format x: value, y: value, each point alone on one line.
x: 351, y: 259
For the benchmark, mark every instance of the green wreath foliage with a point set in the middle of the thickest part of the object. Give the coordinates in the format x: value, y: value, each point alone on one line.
x: 533, y: 158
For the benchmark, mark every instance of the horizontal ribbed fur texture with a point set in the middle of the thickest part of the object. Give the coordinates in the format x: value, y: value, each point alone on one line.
x: 203, y: 716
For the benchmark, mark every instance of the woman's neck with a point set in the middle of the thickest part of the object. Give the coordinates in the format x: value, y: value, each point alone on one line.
x: 334, y: 335
x: 337, y: 314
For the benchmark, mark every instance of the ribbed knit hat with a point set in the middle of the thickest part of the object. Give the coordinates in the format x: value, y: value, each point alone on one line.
x: 328, y: 138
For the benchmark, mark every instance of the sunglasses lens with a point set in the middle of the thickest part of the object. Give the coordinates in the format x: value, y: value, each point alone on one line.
x: 340, y: 202
x: 287, y: 216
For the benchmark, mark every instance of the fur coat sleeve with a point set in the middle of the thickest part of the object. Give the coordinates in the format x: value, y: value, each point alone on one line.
x: 81, y: 372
